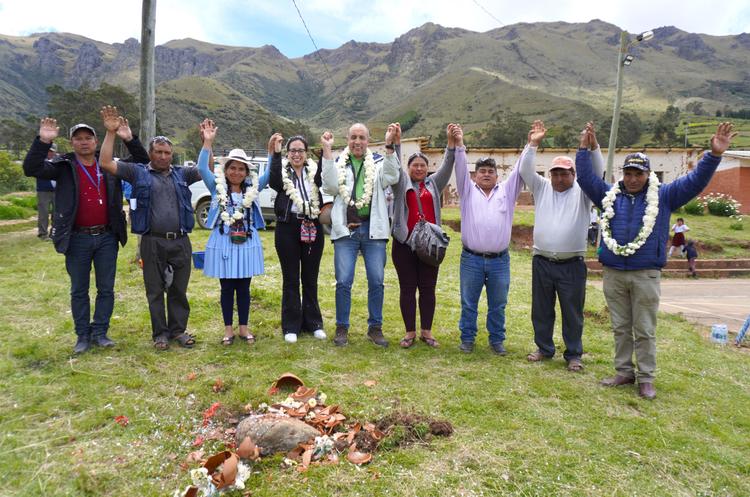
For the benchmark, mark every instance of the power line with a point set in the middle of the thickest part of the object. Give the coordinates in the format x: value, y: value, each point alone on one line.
x: 317, y: 50
x: 501, y: 23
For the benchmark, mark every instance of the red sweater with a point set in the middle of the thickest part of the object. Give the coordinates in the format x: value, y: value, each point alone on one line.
x: 427, y: 206
x: 92, y: 204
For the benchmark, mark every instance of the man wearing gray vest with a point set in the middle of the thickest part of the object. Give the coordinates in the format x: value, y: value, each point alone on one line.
x: 561, y: 222
x: 163, y: 214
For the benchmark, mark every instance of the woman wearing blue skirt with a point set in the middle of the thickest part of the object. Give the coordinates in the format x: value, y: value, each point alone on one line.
x: 234, y: 252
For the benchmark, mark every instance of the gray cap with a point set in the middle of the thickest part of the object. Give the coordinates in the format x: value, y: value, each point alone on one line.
x: 81, y: 126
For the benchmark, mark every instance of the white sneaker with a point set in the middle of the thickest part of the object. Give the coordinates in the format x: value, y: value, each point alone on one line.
x: 319, y: 334
x: 290, y: 338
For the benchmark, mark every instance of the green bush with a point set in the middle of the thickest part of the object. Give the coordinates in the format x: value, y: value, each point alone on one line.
x: 694, y: 207
x: 27, y: 201
x: 12, y: 212
x: 720, y: 204
x: 736, y: 223
x: 12, y: 178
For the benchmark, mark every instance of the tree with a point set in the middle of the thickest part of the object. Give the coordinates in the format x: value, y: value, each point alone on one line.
x: 508, y: 129
x: 628, y: 132
x: 567, y: 137
x: 664, y: 127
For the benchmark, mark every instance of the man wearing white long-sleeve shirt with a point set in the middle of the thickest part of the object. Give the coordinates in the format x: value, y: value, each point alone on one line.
x: 561, y: 222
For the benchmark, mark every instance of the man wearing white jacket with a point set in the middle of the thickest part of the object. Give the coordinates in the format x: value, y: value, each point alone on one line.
x: 561, y: 222
x: 359, y: 221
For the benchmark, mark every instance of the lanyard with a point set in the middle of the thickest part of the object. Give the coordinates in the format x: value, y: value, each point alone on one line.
x: 91, y: 180
x: 302, y: 187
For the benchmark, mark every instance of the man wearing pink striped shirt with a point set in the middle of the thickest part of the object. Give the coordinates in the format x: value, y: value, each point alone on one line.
x: 486, y: 220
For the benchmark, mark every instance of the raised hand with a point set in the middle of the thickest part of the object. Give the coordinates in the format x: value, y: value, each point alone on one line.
x: 327, y: 140
x: 593, y: 143
x: 537, y: 133
x: 458, y: 135
x: 208, y: 132
x: 48, y: 130
x: 393, y: 134
x: 584, y: 139
x: 722, y: 138
x: 124, y: 131
x: 449, y: 135
x: 110, y: 118
x: 274, y: 143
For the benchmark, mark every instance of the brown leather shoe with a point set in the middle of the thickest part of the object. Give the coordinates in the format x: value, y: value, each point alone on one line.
x: 616, y: 381
x: 647, y: 391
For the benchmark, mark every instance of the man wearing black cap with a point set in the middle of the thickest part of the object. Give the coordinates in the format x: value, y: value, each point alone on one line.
x: 88, y: 222
x: 635, y: 231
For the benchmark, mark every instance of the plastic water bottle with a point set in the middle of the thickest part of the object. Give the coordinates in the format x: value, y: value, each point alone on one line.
x: 719, y: 334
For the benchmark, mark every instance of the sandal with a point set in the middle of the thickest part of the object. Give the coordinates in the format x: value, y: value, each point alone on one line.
x: 249, y: 338
x: 575, y: 365
x: 429, y: 340
x: 408, y: 341
x: 227, y: 341
x: 185, y: 340
x: 536, y: 356
x: 161, y: 343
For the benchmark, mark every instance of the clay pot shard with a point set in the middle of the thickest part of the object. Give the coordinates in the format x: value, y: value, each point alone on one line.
x: 286, y: 381
x: 248, y: 450
x: 358, y: 458
x: 303, y: 394
x: 228, y: 474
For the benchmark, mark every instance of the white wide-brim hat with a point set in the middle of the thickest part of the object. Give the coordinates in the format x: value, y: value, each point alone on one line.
x: 235, y: 154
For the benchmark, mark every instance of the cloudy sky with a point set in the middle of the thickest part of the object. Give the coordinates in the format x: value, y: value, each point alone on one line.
x: 334, y: 22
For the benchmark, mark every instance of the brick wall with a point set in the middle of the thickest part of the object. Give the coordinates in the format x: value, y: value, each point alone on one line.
x: 735, y: 182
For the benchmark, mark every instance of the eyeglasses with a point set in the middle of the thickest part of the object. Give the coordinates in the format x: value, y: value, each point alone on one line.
x: 161, y: 139
x: 293, y: 151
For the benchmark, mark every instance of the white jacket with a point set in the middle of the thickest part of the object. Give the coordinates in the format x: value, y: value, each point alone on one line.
x: 386, y: 174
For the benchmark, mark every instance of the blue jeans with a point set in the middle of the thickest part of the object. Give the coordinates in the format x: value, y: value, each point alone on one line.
x: 82, y: 251
x: 477, y: 271
x: 345, y: 251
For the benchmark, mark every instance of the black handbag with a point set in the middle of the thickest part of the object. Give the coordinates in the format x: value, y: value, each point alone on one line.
x: 428, y: 240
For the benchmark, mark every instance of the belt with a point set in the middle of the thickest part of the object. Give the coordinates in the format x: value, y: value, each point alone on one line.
x: 487, y: 255
x: 170, y: 235
x: 560, y: 261
x: 92, y: 230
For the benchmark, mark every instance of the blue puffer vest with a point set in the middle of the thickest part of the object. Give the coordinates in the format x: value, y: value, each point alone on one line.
x: 140, y: 217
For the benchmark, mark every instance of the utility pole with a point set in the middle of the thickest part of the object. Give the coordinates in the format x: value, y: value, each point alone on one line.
x: 148, y: 89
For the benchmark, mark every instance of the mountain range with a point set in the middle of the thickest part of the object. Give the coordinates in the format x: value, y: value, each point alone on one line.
x: 562, y: 72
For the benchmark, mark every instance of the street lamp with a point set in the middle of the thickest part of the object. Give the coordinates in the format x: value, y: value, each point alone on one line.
x: 623, y: 59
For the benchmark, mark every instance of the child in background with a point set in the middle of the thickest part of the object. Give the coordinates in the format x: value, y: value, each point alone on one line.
x: 692, y: 254
x: 678, y: 240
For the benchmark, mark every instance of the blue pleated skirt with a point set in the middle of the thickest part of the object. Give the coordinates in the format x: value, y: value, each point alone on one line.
x: 225, y: 259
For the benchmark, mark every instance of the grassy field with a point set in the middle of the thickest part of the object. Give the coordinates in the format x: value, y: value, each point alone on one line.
x: 520, y: 429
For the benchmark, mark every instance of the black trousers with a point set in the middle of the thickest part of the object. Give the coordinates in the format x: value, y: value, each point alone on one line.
x: 567, y: 282
x: 157, y: 253
x: 299, y: 262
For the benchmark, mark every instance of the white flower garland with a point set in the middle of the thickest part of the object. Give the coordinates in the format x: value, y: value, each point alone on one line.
x: 251, y: 193
x: 369, y: 165
x: 649, y: 218
x: 310, y: 208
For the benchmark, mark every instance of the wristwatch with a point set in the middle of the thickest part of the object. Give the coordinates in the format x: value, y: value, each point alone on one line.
x: 390, y: 146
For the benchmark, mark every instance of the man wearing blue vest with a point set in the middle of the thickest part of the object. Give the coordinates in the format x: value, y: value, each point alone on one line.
x: 161, y: 212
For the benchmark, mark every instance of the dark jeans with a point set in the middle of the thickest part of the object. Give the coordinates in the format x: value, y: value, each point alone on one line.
x: 82, y: 251
x: 230, y: 287
x: 414, y: 274
x: 299, y: 260
x: 567, y: 281
x: 157, y: 253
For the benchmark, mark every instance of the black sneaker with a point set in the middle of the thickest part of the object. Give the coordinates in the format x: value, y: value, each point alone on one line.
x: 375, y: 334
x: 82, y: 345
x: 498, y: 348
x: 103, y: 341
x: 467, y: 347
x: 341, y: 337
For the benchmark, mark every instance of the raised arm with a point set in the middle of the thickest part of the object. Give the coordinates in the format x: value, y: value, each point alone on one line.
x: 35, y: 163
x: 526, y: 167
x: 138, y: 154
x: 597, y: 159
x: 443, y: 174
x: 592, y: 185
x: 330, y: 174
x: 274, y: 152
x: 208, y: 133
x: 681, y: 190
x: 463, y: 178
x: 112, y: 122
x: 389, y: 171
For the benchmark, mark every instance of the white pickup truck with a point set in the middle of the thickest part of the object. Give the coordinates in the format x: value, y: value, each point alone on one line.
x: 201, y: 198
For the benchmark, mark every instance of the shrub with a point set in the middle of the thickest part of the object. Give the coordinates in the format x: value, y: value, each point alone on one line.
x: 12, y: 178
x: 694, y: 207
x: 720, y: 204
x: 736, y: 223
